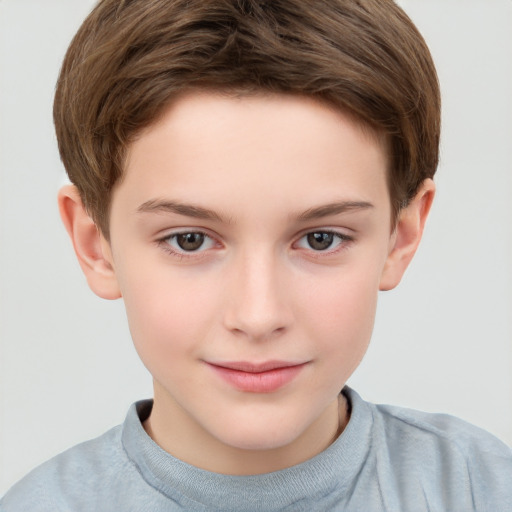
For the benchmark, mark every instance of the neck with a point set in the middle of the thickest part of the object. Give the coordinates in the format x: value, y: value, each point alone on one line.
x: 178, y: 434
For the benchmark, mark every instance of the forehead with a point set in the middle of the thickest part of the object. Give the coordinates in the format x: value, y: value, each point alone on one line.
x: 215, y: 108
x: 278, y: 146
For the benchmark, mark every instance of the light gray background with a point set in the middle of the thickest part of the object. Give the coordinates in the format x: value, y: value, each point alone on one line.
x: 443, y: 340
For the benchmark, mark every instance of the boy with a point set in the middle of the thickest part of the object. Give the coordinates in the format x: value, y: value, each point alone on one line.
x: 247, y: 176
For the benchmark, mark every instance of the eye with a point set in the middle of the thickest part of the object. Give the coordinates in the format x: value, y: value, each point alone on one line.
x: 322, y: 240
x: 192, y: 241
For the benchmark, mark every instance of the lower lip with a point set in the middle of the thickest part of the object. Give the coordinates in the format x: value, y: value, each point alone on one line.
x: 261, y: 382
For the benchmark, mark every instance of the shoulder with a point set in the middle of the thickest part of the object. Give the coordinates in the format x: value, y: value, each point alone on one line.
x: 425, y: 461
x: 58, y: 482
x: 446, y: 449
x: 442, y: 430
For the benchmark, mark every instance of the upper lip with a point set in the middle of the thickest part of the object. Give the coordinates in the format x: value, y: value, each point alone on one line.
x: 251, y: 367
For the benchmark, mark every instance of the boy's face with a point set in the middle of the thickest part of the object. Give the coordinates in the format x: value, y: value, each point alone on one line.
x: 250, y: 234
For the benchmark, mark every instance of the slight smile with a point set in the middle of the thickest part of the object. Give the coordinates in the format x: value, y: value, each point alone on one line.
x: 265, y: 377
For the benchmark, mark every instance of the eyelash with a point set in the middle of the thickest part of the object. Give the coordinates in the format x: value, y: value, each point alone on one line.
x: 343, y: 242
x: 164, y: 243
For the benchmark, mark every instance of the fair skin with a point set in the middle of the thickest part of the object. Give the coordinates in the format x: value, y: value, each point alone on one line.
x: 249, y: 238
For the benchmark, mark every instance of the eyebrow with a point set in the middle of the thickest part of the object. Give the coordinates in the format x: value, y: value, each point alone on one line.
x: 199, y: 212
x: 188, y: 210
x: 334, y: 209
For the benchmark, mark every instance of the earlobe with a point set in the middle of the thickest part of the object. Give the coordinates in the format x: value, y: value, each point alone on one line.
x: 407, y: 236
x: 91, y: 248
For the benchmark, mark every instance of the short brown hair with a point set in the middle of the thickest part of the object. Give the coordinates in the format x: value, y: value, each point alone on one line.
x: 131, y: 57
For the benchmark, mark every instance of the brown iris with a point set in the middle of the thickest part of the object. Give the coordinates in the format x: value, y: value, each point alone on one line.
x: 190, y: 241
x: 320, y: 241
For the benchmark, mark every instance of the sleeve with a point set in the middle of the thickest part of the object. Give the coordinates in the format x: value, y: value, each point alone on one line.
x: 490, y: 471
x: 30, y: 493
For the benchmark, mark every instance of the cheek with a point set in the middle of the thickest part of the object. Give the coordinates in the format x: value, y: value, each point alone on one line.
x: 167, y: 315
x: 342, y: 313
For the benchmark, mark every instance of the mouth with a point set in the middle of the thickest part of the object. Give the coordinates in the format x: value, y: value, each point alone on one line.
x: 265, y: 377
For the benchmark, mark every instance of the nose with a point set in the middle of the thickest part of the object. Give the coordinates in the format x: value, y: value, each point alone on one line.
x: 258, y: 306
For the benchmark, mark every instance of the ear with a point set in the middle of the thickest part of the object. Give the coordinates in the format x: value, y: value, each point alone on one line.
x: 407, y: 236
x: 91, y: 247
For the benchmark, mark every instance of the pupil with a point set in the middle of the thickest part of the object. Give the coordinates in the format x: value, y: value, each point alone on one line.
x: 190, y: 241
x: 320, y: 241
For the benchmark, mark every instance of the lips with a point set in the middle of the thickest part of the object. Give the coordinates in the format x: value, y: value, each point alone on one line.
x: 266, y: 377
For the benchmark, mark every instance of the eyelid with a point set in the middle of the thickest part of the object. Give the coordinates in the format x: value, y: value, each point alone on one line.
x: 163, y: 242
x: 344, y: 241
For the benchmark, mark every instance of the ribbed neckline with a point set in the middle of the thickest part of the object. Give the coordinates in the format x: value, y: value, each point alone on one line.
x: 335, y: 467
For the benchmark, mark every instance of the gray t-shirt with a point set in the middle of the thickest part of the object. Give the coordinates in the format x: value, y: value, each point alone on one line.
x: 387, y: 459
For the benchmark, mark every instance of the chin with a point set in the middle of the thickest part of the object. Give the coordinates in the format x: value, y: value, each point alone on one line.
x: 259, y: 436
